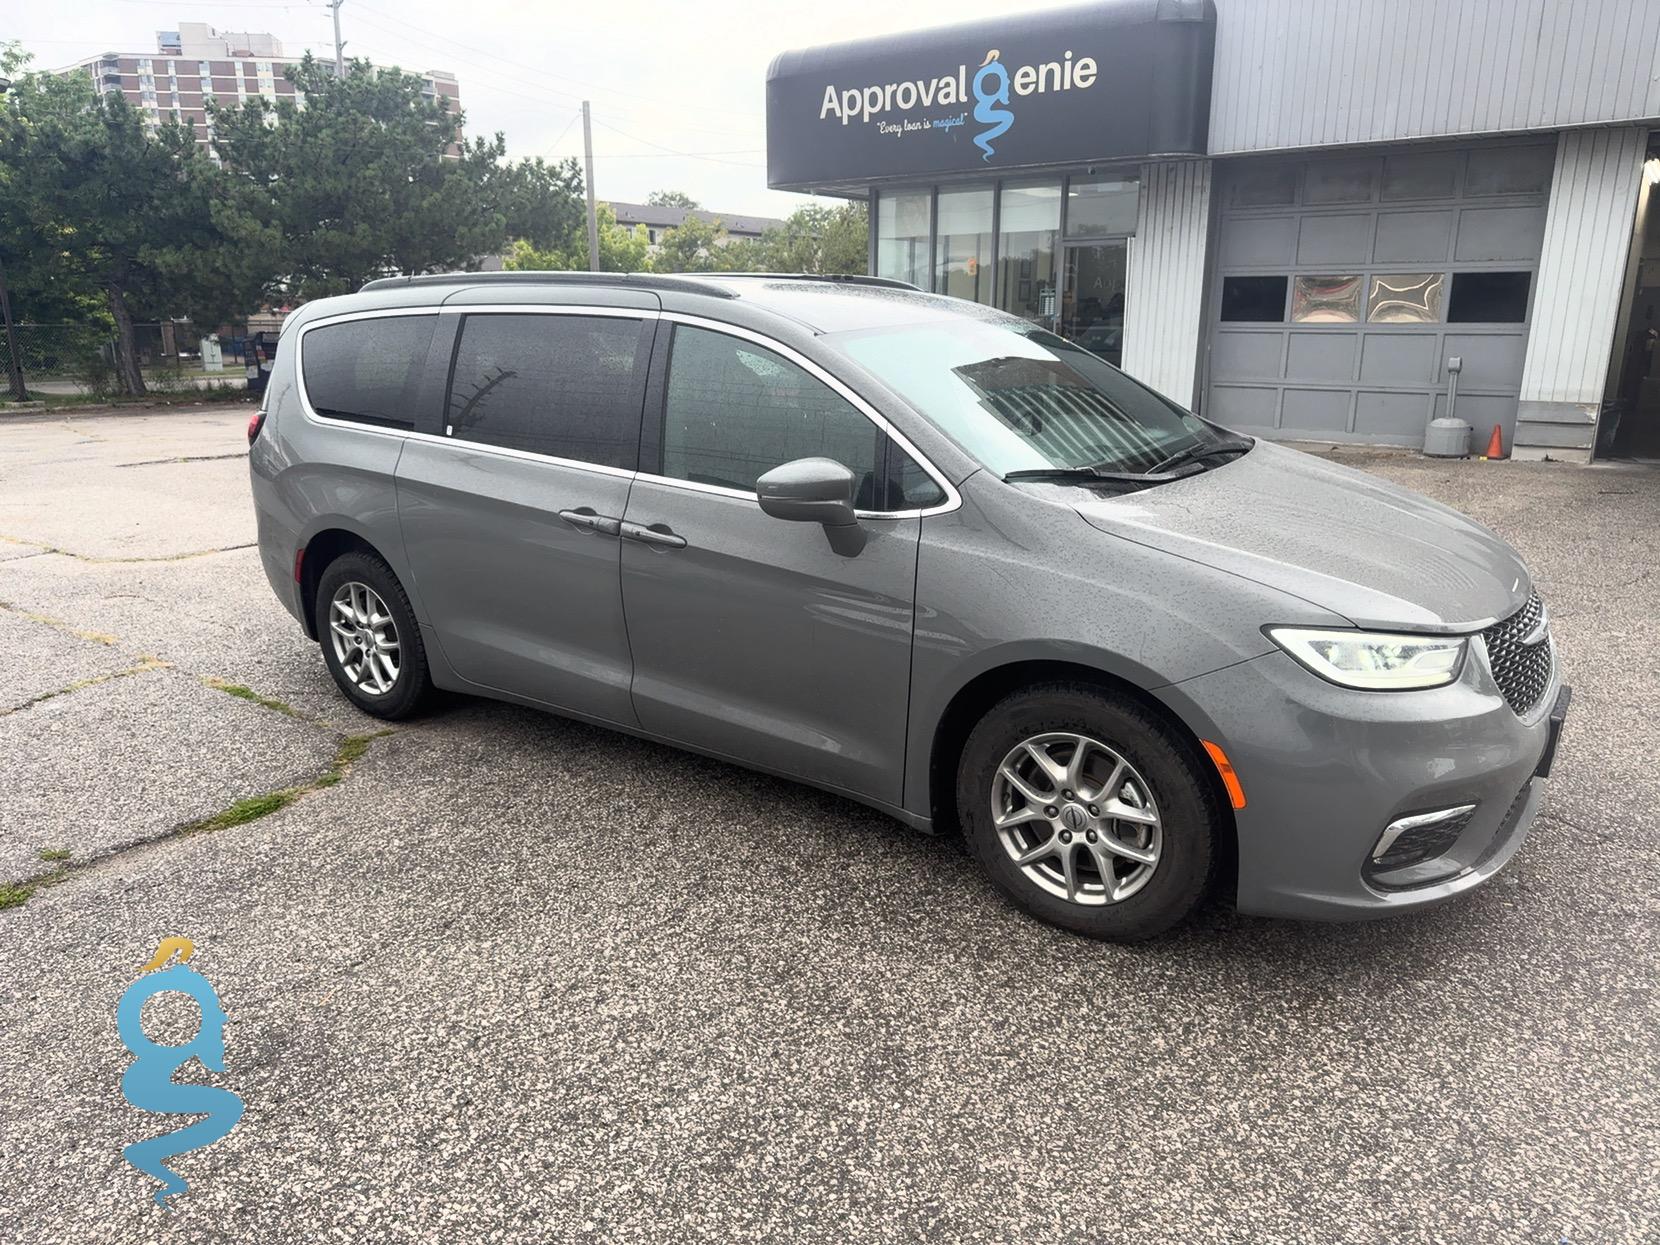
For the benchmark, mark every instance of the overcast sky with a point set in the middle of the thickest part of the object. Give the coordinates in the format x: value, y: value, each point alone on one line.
x: 686, y: 75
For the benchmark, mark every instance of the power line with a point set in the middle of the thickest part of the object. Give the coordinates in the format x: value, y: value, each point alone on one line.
x: 691, y: 155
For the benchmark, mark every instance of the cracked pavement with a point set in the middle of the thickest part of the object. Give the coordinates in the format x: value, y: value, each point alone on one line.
x: 518, y: 979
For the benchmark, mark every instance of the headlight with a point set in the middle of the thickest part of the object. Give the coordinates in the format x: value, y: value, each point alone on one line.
x: 1372, y: 659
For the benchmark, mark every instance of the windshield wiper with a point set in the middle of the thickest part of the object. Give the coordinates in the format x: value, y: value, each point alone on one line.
x: 1097, y: 475
x: 1199, y: 451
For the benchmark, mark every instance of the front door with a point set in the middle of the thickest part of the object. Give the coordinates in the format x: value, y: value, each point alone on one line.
x: 1092, y: 315
x: 510, y: 522
x: 751, y: 636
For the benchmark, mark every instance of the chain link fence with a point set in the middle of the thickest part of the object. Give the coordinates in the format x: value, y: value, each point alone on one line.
x: 80, y: 358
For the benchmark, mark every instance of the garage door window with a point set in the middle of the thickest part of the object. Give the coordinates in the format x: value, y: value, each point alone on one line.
x: 1405, y: 298
x: 1326, y: 299
x: 1489, y: 297
x: 1259, y: 300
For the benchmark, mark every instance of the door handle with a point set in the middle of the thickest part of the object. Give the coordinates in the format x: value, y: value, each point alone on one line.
x: 659, y: 534
x: 585, y: 518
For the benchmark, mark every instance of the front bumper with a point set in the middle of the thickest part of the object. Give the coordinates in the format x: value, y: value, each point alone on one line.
x: 1325, y: 769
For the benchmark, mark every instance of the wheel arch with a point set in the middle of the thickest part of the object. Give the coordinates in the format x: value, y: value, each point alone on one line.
x: 975, y: 697
x: 322, y: 548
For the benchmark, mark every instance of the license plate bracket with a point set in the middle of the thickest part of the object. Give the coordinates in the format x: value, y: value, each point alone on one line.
x: 1558, y: 715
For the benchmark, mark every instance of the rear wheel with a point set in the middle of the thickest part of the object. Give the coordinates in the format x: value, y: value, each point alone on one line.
x: 370, y: 640
x: 1089, y: 811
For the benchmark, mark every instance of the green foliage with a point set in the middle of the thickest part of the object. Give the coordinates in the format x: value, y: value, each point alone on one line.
x: 672, y: 198
x: 819, y: 240
x: 620, y: 249
x: 697, y: 245
x: 97, y: 207
x: 366, y: 180
x: 814, y: 239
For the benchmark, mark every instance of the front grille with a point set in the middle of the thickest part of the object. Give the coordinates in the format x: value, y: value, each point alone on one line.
x: 1422, y: 842
x: 1522, y: 671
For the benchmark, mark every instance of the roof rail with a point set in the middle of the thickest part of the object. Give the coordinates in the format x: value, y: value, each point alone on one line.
x: 836, y: 278
x: 689, y: 284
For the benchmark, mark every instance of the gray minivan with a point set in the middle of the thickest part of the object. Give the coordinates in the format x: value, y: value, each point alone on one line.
x: 920, y: 553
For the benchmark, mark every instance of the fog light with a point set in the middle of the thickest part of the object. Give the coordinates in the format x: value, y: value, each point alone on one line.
x: 1412, y: 840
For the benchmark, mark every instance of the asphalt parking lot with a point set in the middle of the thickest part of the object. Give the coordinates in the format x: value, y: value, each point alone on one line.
x: 493, y: 976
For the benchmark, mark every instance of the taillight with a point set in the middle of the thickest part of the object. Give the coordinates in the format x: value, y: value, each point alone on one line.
x: 256, y: 421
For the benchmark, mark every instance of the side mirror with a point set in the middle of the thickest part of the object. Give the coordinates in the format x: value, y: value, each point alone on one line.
x: 814, y: 490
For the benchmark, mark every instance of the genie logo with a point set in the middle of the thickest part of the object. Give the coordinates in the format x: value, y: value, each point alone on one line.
x: 991, y: 87
x: 148, y: 1084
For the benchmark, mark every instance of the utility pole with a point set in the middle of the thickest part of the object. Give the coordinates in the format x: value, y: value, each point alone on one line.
x: 339, y: 56
x: 14, y: 367
x: 588, y: 180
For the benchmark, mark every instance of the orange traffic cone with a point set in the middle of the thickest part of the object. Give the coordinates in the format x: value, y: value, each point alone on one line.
x: 1495, y: 444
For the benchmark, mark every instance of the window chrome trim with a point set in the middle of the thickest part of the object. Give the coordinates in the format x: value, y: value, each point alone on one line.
x: 953, y: 499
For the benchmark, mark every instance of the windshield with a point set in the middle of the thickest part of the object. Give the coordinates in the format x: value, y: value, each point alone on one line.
x: 1019, y: 398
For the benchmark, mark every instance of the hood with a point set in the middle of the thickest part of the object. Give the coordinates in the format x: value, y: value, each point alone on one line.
x: 1381, y: 556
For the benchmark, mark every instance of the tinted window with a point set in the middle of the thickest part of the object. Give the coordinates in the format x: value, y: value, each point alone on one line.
x: 734, y: 410
x: 1253, y: 298
x: 367, y: 371
x: 1488, y: 297
x: 551, y: 384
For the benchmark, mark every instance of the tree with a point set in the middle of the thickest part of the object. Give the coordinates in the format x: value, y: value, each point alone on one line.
x: 695, y: 245
x: 97, y: 203
x: 365, y: 179
x: 621, y: 249
x: 820, y: 240
x: 672, y: 198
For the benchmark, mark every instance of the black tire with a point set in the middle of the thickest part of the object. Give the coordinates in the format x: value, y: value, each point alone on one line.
x: 1191, y: 813
x: 409, y: 690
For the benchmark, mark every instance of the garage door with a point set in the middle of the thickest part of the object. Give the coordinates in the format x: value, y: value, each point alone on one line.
x: 1343, y: 285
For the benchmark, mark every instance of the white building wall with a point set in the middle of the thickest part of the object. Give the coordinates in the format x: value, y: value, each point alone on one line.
x: 1164, y: 305
x: 1588, y: 231
x: 1312, y: 73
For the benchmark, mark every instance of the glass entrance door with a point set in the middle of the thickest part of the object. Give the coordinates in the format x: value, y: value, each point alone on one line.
x: 1092, y: 298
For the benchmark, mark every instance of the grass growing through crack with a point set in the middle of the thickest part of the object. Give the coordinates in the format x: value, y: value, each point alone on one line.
x: 252, y: 808
x: 248, y: 693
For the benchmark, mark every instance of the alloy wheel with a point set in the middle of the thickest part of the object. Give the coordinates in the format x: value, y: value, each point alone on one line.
x: 1076, y: 818
x: 365, y: 638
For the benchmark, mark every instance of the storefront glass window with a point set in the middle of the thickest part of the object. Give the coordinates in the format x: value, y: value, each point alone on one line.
x: 962, y: 255
x: 1030, y: 226
x: 902, y: 236
x: 1101, y: 207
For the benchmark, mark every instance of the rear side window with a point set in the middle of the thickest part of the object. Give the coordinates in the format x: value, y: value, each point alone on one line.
x: 733, y: 411
x: 367, y: 371
x: 562, y: 385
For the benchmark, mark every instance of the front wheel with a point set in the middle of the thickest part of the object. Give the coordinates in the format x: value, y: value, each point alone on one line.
x: 1089, y: 811
x: 371, y: 642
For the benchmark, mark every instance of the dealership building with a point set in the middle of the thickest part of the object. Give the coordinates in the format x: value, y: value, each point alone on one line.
x: 1305, y: 219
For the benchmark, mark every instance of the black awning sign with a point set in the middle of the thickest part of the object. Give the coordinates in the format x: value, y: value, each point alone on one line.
x: 921, y: 105
x: 1116, y: 80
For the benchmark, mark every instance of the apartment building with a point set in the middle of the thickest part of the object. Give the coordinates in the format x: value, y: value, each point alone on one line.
x: 196, y: 62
